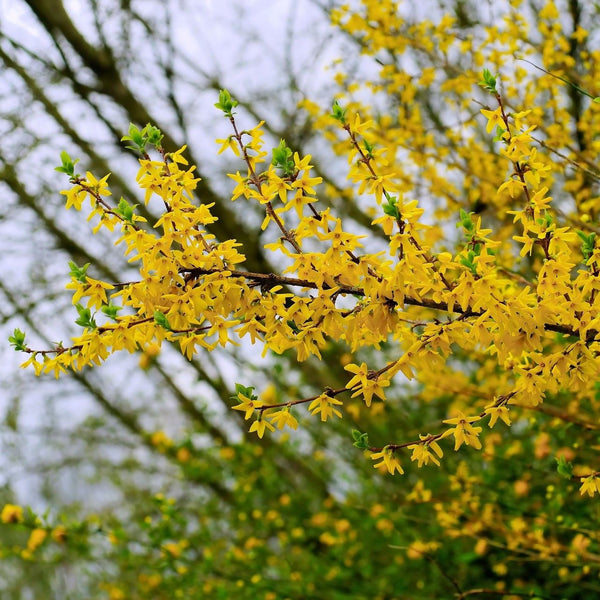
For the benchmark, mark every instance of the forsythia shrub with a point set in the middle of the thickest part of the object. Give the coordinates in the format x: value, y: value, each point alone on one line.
x: 540, y: 334
x: 470, y: 294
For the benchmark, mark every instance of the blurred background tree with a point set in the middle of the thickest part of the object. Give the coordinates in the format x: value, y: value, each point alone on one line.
x: 300, y: 516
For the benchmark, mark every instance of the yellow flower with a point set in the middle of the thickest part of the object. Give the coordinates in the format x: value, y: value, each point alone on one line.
x: 11, y: 514
x: 464, y: 432
x: 260, y: 425
x: 229, y: 142
x: 160, y: 439
x: 283, y: 417
x: 247, y: 406
x: 527, y: 244
x: 360, y: 128
x: 388, y: 459
x: 365, y: 384
x: 276, y: 185
x: 549, y: 12
x: 172, y: 549
x: 496, y: 412
x: 514, y: 186
x: 177, y: 157
x: 75, y: 197
x: 99, y: 186
x: 382, y: 183
x: 373, y: 387
x: 419, y: 549
x: 96, y: 291
x: 422, y: 452
x: 36, y: 539
x: 183, y: 455
x: 324, y: 404
x: 360, y: 375
x: 59, y: 534
x: 590, y: 485
x: 494, y: 118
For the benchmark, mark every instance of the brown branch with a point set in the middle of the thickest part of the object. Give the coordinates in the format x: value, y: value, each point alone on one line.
x: 257, y: 182
x: 268, y: 280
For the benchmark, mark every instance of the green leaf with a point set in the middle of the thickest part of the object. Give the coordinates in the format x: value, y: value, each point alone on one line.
x: 582, y: 235
x: 499, y: 134
x: 161, y: 319
x: 468, y: 262
x: 390, y: 207
x: 137, y: 137
x: 111, y: 310
x: 67, y: 164
x: 391, y: 210
x: 85, y: 318
x: 466, y: 220
x: 78, y: 273
x: 17, y: 340
x: 361, y: 440
x: 468, y: 557
x: 564, y: 468
x: 588, y: 244
x: 125, y: 210
x: 292, y: 325
x: 153, y: 135
x: 226, y: 103
x: 11, y: 416
x: 245, y: 391
x: 488, y: 82
x: 339, y: 113
x: 282, y: 158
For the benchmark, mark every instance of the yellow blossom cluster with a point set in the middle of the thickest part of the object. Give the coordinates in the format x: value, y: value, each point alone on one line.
x: 532, y: 334
x: 193, y: 289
